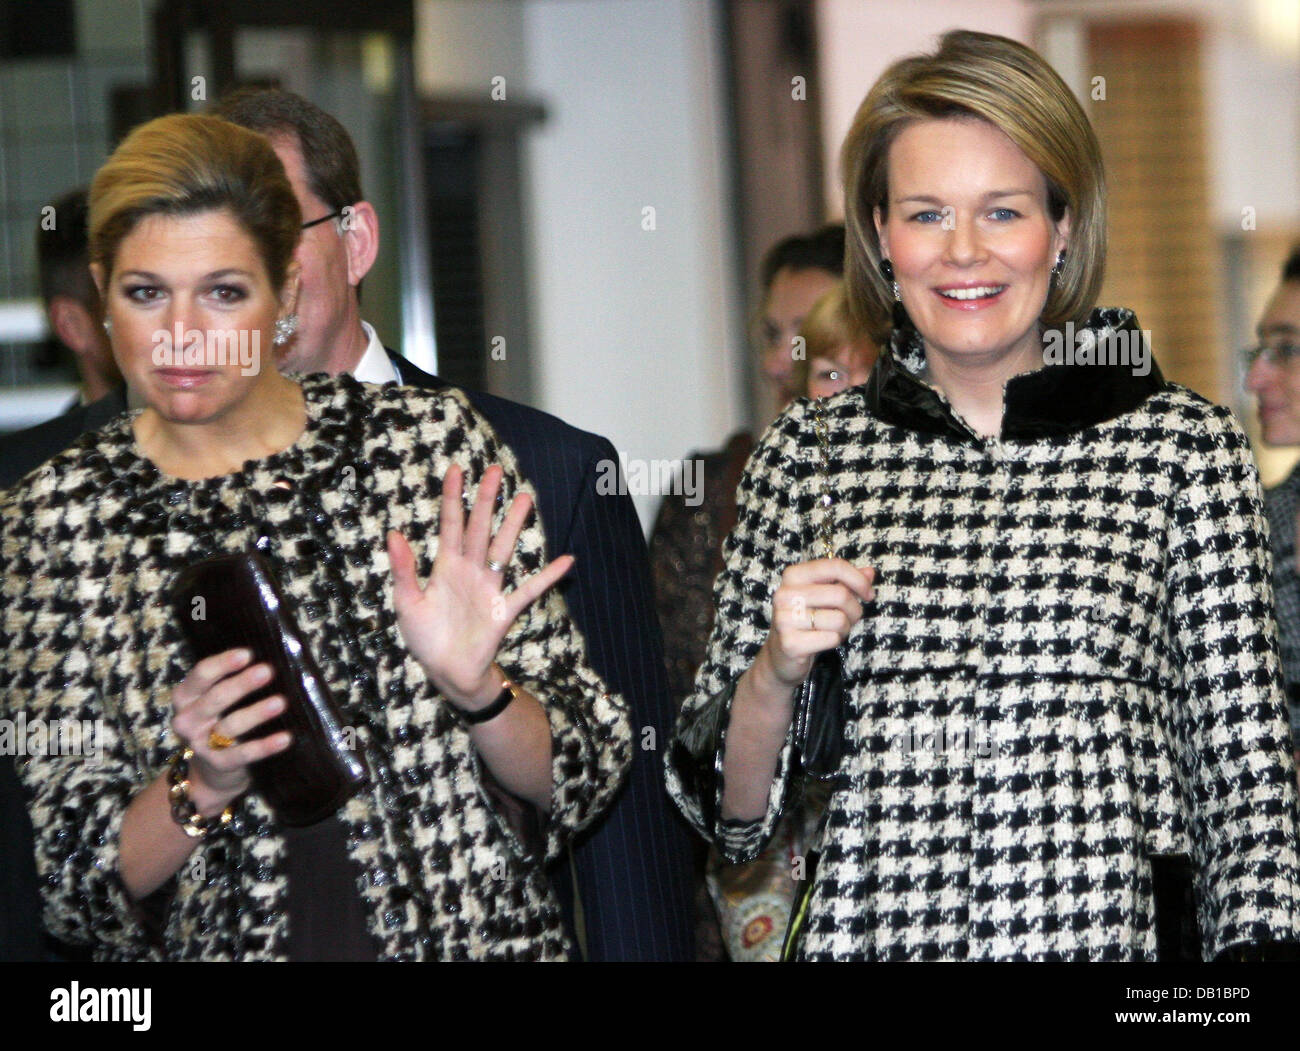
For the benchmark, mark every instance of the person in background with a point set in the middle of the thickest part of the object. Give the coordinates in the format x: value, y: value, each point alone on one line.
x: 1273, y: 376
x: 795, y: 273
x: 838, y: 354
x: 754, y: 899
x: 686, y: 556
x: 686, y: 541
x: 73, y: 308
x: 630, y: 873
x: 71, y: 302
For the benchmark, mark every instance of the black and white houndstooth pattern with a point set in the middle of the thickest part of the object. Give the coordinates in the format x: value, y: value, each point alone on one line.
x: 91, y: 543
x: 1085, y: 620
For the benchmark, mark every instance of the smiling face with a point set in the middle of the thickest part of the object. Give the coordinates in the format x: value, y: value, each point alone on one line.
x: 971, y: 241
x: 1276, y: 383
x: 200, y: 277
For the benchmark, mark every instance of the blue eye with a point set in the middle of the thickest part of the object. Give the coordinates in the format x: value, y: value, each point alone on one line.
x: 1004, y: 214
x: 930, y: 216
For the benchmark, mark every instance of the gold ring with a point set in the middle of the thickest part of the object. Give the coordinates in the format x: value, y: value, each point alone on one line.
x: 812, y: 616
x: 218, y: 741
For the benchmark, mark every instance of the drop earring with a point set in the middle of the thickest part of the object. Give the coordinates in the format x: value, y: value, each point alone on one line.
x: 887, y: 271
x: 1060, y: 264
x: 285, y: 327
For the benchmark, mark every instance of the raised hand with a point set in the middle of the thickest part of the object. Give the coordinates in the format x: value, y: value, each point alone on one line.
x: 454, y: 624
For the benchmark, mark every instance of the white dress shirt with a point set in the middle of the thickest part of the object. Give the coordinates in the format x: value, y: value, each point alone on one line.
x: 375, y: 365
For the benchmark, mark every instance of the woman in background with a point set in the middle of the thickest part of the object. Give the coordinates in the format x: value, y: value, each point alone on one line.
x: 838, y: 353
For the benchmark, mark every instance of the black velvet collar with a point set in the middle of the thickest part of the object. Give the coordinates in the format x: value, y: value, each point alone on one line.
x: 1058, y: 399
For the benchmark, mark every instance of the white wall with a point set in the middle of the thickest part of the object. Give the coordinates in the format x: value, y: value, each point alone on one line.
x: 857, y: 39
x: 635, y: 329
x: 460, y: 45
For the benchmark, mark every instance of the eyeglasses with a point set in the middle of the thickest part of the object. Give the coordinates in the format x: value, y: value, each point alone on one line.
x: 323, y: 219
x: 1272, y: 354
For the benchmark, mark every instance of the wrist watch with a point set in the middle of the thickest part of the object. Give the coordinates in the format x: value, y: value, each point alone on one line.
x: 494, y: 709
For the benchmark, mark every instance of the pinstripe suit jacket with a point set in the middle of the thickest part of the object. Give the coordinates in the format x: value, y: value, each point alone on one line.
x: 633, y: 871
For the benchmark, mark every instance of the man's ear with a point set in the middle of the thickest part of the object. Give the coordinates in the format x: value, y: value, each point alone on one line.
x: 73, y: 325
x: 360, y: 226
x: 292, y: 285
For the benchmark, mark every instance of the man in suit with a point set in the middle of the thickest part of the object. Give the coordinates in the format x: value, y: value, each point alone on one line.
x: 632, y: 873
x: 72, y: 307
x: 68, y: 290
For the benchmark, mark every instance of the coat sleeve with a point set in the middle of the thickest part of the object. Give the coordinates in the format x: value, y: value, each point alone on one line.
x: 1231, y: 727
x: 773, y: 505
x: 591, y: 736
x: 77, y: 800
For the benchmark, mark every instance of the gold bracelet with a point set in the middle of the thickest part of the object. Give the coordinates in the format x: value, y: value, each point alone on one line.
x: 185, y: 813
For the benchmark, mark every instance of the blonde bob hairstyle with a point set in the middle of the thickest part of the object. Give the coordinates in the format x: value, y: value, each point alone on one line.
x: 827, y: 328
x: 185, y: 164
x: 989, y: 78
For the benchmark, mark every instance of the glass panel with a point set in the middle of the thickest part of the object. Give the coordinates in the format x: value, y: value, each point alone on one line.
x: 59, y: 114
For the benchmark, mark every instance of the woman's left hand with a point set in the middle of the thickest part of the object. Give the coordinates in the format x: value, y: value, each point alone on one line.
x: 455, y: 623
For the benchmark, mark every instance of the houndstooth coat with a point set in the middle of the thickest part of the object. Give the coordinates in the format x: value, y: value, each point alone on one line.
x: 91, y: 542
x: 1069, y: 669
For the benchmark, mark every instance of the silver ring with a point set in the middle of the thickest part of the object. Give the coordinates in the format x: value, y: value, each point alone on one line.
x: 494, y: 565
x: 812, y: 616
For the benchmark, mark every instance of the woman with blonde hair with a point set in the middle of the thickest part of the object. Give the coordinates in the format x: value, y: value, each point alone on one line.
x: 1046, y: 578
x: 837, y: 353
x: 451, y: 692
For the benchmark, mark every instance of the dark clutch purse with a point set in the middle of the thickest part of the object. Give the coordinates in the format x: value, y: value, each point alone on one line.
x: 234, y: 601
